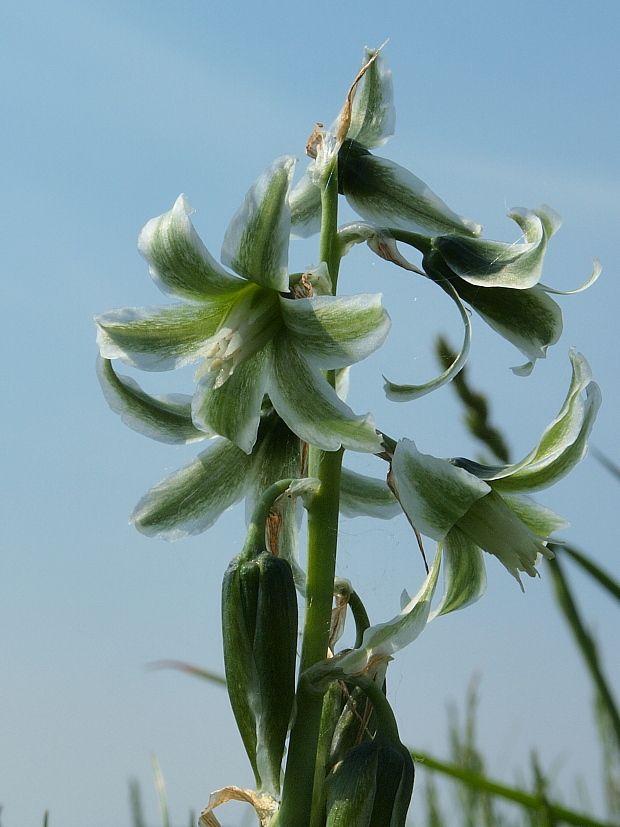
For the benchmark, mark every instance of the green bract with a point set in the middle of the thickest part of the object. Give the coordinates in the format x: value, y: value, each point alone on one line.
x: 379, y: 190
x: 467, y: 506
x: 251, y: 335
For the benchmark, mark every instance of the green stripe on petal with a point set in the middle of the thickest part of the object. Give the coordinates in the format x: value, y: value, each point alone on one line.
x: 540, y: 519
x: 179, y: 262
x: 385, y: 639
x: 336, y: 332
x: 388, y: 195
x: 362, y: 496
x: 529, y: 319
x: 305, y: 203
x: 277, y: 452
x: 164, y: 418
x: 256, y: 241
x: 563, y: 442
x: 189, y: 501
x: 497, y: 263
x: 433, y: 493
x: 159, y: 338
x: 233, y: 409
x: 542, y: 474
x: 465, y: 577
x: 405, y: 393
x: 372, y: 115
x: 310, y: 407
x: 493, y: 526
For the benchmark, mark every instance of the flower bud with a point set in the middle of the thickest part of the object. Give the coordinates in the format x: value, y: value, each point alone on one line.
x: 357, y: 723
x: 372, y: 786
x: 259, y: 622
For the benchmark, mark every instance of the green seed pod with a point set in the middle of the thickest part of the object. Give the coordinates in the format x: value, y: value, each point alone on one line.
x: 371, y: 786
x: 259, y: 623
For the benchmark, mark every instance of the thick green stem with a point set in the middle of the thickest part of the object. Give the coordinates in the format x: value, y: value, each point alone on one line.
x: 297, y: 794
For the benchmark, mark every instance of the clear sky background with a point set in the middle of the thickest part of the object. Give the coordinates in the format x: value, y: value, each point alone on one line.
x: 109, y: 111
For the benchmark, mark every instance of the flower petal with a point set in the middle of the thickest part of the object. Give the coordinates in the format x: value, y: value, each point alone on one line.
x: 382, y: 641
x: 528, y: 318
x: 256, y: 242
x: 372, y: 115
x: 233, y: 409
x: 277, y: 453
x: 337, y: 331
x: 405, y: 393
x: 434, y: 493
x: 179, y: 262
x: 596, y: 272
x: 362, y: 496
x: 563, y: 443
x: 305, y: 202
x: 164, y: 418
x: 550, y: 469
x: 540, y: 519
x: 497, y: 263
x: 310, y: 407
x: 160, y: 338
x: 189, y: 501
x: 493, y: 526
x: 388, y: 195
x: 465, y: 578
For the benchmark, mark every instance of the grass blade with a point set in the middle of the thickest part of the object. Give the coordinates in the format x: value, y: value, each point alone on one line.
x: 585, y: 642
x: 602, y: 577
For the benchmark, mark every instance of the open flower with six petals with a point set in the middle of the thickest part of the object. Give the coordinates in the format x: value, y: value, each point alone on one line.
x: 250, y: 334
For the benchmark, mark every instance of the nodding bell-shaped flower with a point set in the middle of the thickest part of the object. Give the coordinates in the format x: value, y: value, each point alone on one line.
x: 379, y: 190
x: 251, y: 333
x: 467, y: 506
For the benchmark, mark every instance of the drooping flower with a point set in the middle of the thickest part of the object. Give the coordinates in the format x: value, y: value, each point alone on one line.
x: 467, y: 506
x: 190, y: 500
x: 250, y: 333
x: 378, y: 189
x: 512, y: 300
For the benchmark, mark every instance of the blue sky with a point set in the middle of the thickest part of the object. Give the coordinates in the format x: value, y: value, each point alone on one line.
x: 110, y: 110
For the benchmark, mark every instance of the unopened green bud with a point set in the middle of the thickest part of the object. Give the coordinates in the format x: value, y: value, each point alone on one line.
x: 371, y: 787
x: 357, y: 723
x: 259, y: 622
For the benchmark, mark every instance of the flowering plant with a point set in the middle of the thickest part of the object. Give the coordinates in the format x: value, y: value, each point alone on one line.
x: 273, y: 350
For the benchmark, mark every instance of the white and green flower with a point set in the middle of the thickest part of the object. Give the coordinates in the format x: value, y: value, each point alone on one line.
x: 249, y: 332
x: 190, y: 500
x: 513, y: 301
x: 378, y: 189
x: 467, y: 506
